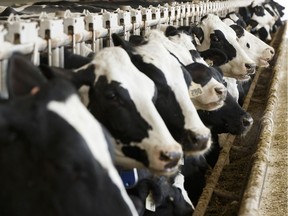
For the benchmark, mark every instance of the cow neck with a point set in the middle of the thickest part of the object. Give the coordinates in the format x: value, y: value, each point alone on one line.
x: 177, y: 59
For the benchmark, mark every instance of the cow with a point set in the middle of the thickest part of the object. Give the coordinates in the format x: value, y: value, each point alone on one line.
x: 256, y: 49
x: 230, y: 118
x: 123, y: 100
x: 260, y: 21
x: 213, y: 33
x: 212, y: 92
x: 161, y: 195
x: 55, y: 157
x: 173, y: 102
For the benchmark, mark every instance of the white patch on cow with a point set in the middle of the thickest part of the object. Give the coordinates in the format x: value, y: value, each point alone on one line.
x: 235, y: 67
x: 185, y: 40
x: 179, y: 183
x: 232, y: 87
x: 115, y: 64
x: 154, y: 52
x: 210, y: 100
x: 76, y: 114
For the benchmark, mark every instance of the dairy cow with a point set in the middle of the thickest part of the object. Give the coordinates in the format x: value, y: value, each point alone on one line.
x: 173, y: 102
x: 55, y: 157
x: 260, y: 21
x: 161, y: 195
x: 123, y: 100
x: 213, y: 33
x: 213, y: 92
x: 256, y: 49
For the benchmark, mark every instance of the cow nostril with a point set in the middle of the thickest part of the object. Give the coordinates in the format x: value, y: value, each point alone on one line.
x: 200, y: 141
x: 171, y: 157
x: 167, y: 156
x: 250, y: 67
x: 220, y: 91
x: 272, y: 52
x: 247, y: 121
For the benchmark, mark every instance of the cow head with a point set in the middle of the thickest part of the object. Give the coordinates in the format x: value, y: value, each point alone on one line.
x: 122, y: 99
x: 261, y: 21
x: 256, y: 49
x: 206, y: 89
x: 213, y: 33
x: 173, y: 102
x: 230, y: 118
x: 51, y: 146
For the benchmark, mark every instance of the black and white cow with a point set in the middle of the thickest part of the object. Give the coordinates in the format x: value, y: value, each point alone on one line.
x: 212, y: 92
x: 54, y: 156
x: 260, y: 20
x: 173, y: 102
x: 230, y: 118
x: 161, y: 195
x: 256, y: 49
x: 213, y: 33
x: 123, y: 100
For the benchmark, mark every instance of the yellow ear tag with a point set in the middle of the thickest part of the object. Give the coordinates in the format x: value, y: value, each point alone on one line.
x: 149, y: 203
x: 195, y: 90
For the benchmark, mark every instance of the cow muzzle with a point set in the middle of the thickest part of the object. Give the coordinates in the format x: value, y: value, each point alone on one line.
x: 195, y: 144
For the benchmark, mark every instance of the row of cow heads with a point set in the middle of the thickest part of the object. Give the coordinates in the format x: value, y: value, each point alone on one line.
x: 243, y: 51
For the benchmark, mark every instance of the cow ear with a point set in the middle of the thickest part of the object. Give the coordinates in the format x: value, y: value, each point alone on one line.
x: 118, y: 41
x: 198, y: 33
x: 23, y: 77
x: 85, y: 76
x: 171, y: 31
x: 215, y: 55
x: 252, y: 23
x: 137, y: 40
x: 238, y: 30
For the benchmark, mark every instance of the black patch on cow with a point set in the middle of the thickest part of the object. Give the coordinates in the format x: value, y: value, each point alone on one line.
x: 227, y: 119
x: 200, y: 73
x: 137, y: 40
x: 136, y: 153
x: 263, y: 34
x: 112, y: 105
x: 219, y: 41
x: 258, y: 10
x: 217, y: 56
x: 238, y: 30
x: 198, y: 32
x: 270, y: 11
x: 171, y: 31
x: 187, y: 77
x: 173, y: 117
x: 195, y: 55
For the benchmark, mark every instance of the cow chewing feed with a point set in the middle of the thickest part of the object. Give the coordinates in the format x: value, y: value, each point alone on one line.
x: 173, y: 102
x: 213, y: 33
x: 122, y: 99
x: 55, y: 157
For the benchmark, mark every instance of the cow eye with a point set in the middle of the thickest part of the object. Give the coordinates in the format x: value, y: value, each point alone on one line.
x: 248, y: 45
x: 215, y: 38
x: 110, y: 95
